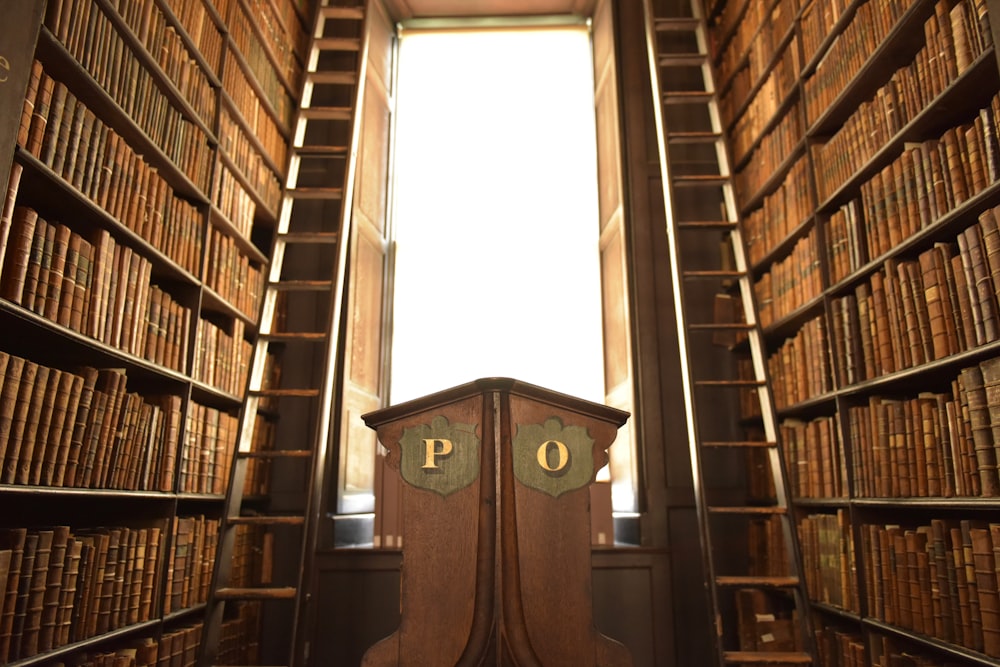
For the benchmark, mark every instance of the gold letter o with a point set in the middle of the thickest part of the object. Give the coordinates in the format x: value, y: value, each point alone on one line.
x: 543, y: 459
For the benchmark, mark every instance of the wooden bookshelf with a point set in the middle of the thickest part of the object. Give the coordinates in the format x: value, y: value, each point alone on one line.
x: 867, y: 187
x: 146, y: 154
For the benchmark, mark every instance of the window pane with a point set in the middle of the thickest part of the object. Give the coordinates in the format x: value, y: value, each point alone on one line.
x: 496, y: 228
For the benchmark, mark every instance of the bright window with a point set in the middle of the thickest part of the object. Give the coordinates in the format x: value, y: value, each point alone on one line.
x: 495, y: 211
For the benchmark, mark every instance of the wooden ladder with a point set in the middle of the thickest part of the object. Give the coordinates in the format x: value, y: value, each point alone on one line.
x: 300, y: 324
x: 708, y: 261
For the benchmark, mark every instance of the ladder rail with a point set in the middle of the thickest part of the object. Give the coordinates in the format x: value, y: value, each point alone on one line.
x: 754, y: 333
x: 324, y: 433
x: 328, y: 344
x: 686, y: 377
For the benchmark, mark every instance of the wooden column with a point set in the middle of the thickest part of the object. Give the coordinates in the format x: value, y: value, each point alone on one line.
x: 496, y: 527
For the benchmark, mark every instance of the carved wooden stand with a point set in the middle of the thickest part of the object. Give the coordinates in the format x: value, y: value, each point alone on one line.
x: 496, y: 517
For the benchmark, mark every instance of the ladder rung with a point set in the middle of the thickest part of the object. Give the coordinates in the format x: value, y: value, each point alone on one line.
x: 677, y: 24
x: 301, y: 393
x: 687, y: 96
x: 321, y: 151
x: 266, y: 520
x: 326, y: 113
x: 706, y: 224
x: 729, y: 383
x: 275, y: 593
x: 357, y: 13
x: 770, y: 509
x: 753, y: 581
x: 714, y: 273
x: 763, y: 657
x: 337, y: 44
x: 316, y: 193
x: 739, y: 443
x: 302, y: 285
x: 692, y: 137
x: 309, y: 237
x: 720, y: 326
x: 700, y: 179
x: 331, y: 77
x: 291, y: 336
x: 682, y: 59
x: 277, y: 454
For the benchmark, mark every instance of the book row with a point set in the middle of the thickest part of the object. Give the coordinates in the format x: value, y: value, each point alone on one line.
x: 816, y: 23
x: 910, y: 90
x: 175, y: 648
x: 773, y: 149
x: 64, y: 134
x: 194, y: 18
x: 164, y: 44
x: 846, y: 648
x: 255, y: 55
x: 232, y: 200
x: 763, y: 625
x: 913, y: 311
x: 262, y: 125
x: 191, y: 562
x: 814, y: 459
x: 84, y: 429
x: 237, y: 146
x: 759, y: 113
x: 102, y: 290
x: 284, y: 36
x: 258, y: 475
x: 800, y: 368
x: 63, y: 585
x: 253, y: 556
x: 937, y: 444
x: 927, y: 181
x: 232, y: 276
x: 92, y: 39
x: 768, y: 556
x: 783, y: 210
x: 854, y: 45
x: 222, y: 360
x: 207, y: 452
x: 828, y: 560
x: 939, y: 580
x: 756, y: 38
x: 790, y: 283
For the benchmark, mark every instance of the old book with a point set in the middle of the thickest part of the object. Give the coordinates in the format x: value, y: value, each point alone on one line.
x: 69, y: 458
x: 20, y: 449
x: 984, y: 566
x: 53, y: 588
x: 40, y: 113
x: 67, y: 592
x: 24, y: 593
x: 55, y: 392
x: 7, y: 212
x: 20, y: 418
x: 8, y: 399
x: 57, y: 111
x: 18, y: 256
x: 979, y: 415
x: 35, y: 282
x: 28, y: 108
x: 15, y: 541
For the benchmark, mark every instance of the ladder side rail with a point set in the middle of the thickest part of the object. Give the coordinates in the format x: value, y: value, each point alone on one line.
x: 325, y: 430
x: 687, y: 381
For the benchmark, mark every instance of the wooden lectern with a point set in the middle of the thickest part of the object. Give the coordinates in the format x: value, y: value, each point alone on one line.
x: 496, y: 522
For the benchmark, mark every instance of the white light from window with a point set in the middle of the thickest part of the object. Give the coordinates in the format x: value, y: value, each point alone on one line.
x: 496, y: 223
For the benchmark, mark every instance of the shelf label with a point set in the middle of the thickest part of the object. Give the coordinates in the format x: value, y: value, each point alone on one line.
x: 553, y: 458
x: 440, y: 456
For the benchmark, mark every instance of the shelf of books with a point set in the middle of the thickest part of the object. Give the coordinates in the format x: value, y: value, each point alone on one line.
x: 866, y: 141
x: 146, y: 168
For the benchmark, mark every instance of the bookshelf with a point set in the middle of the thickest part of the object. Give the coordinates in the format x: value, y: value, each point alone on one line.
x: 867, y: 157
x: 146, y: 146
